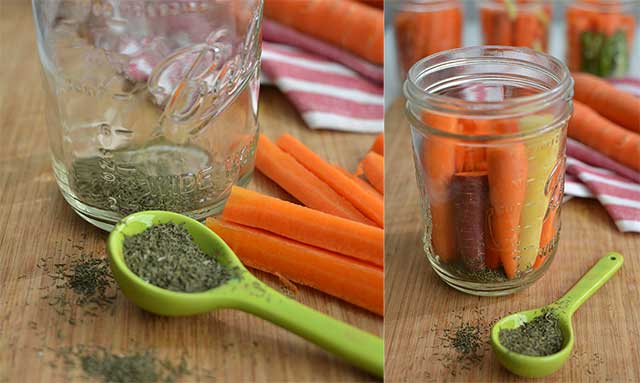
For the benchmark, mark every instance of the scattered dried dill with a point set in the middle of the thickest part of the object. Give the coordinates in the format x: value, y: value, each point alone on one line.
x: 139, y: 367
x: 84, y: 281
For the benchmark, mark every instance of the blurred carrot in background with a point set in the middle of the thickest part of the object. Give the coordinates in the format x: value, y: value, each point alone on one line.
x: 350, y: 25
x: 599, y: 37
x: 520, y: 23
x: 421, y: 32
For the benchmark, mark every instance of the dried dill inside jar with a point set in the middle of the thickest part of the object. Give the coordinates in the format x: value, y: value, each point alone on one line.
x: 167, y: 256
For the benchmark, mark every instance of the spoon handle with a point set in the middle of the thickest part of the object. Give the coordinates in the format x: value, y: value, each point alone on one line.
x: 597, y: 276
x: 358, y: 347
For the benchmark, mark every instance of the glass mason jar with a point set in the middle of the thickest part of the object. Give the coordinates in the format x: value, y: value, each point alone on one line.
x: 523, y: 23
x: 600, y: 36
x: 425, y: 27
x: 150, y: 104
x: 489, y: 129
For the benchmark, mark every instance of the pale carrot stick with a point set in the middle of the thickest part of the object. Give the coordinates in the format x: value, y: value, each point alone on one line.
x: 620, y: 107
x: 363, y: 184
x: 610, y: 139
x: 302, y: 184
x: 305, y: 225
x: 349, y: 25
x: 349, y: 279
x: 373, y: 167
x: 371, y: 207
x: 507, y: 185
x: 378, y: 145
x: 439, y: 164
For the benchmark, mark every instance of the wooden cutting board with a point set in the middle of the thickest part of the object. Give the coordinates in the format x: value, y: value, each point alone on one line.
x: 419, y: 307
x: 37, y: 224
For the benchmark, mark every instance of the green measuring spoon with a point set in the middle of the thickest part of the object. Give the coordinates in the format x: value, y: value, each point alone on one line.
x: 539, y: 366
x: 244, y: 293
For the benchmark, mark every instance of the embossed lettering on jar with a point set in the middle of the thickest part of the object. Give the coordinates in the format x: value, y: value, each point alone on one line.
x: 150, y: 104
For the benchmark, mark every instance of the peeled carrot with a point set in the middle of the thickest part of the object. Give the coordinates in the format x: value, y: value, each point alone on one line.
x: 302, y: 184
x: 378, y: 145
x: 470, y: 195
x: 610, y: 139
x: 350, y: 25
x: 549, y: 232
x: 305, y: 225
x: 349, y: 279
x: 610, y: 102
x: 362, y: 183
x: 439, y: 163
x: 507, y: 185
x: 373, y: 167
x: 371, y: 207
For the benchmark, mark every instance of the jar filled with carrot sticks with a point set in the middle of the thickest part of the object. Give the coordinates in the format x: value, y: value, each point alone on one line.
x: 518, y: 23
x: 425, y: 27
x: 489, y: 128
x: 600, y: 36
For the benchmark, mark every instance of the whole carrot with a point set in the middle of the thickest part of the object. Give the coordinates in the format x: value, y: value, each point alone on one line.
x: 325, y: 231
x: 301, y: 183
x: 349, y: 279
x: 350, y: 25
x: 612, y: 103
x: 610, y: 139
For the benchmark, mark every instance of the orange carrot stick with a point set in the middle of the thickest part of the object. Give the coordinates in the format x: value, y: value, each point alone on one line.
x: 593, y: 130
x: 305, y: 225
x: 612, y: 103
x: 371, y: 207
x: 354, y: 281
x: 354, y: 27
x: 302, y: 184
x: 439, y: 163
x: 373, y: 167
x: 507, y: 185
x: 362, y: 183
x: 548, y: 234
x: 378, y: 145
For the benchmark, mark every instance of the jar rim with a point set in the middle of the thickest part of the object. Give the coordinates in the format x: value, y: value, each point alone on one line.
x: 425, y: 5
x: 528, y: 6
x: 521, y: 105
x: 605, y: 6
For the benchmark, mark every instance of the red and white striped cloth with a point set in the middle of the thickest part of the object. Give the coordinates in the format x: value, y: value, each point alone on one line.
x: 327, y: 93
x: 590, y: 174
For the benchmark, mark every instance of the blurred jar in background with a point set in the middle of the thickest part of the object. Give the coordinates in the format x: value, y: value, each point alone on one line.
x: 600, y: 36
x: 425, y: 27
x: 518, y: 23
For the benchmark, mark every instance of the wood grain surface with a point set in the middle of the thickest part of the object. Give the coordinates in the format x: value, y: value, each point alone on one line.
x: 419, y: 307
x: 37, y: 225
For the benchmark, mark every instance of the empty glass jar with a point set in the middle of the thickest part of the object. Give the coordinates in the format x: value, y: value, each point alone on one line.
x: 150, y: 104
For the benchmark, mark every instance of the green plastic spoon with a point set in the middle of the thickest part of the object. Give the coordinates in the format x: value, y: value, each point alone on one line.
x: 539, y: 366
x: 245, y: 293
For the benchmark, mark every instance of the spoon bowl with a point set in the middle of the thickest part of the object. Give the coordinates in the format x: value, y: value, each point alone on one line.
x: 173, y: 303
x: 245, y: 293
x: 539, y: 366
x: 527, y: 365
